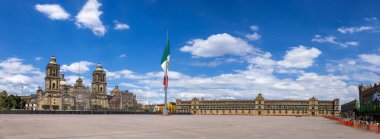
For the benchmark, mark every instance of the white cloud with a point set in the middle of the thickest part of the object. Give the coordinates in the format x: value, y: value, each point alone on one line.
x: 254, y: 27
x: 120, y: 26
x: 262, y: 60
x: 38, y: 58
x: 89, y: 17
x: 370, y: 58
x: 260, y: 76
x: 78, y: 67
x: 53, y: 11
x: 351, y: 30
x: 352, y: 43
x: 300, y: 57
x: 160, y: 75
x: 370, y: 19
x: 129, y: 85
x: 253, y: 37
x: 71, y: 80
x: 127, y: 74
x: 16, y: 76
x: 17, y: 79
x: 245, y: 84
x: 123, y: 55
x: 14, y: 65
x: 217, y: 45
x: 216, y: 62
x: 365, y: 68
x: 112, y: 75
x: 333, y: 40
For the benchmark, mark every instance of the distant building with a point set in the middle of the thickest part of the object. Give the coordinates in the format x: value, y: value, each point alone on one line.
x: 99, y: 88
x: 171, y: 107
x: 160, y: 107
x: 350, y: 107
x: 260, y: 106
x: 369, y: 98
x: 31, y: 101
x: 122, y: 100
x: 150, y: 108
x: 59, y: 95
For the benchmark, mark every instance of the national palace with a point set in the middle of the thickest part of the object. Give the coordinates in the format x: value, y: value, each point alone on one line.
x: 59, y: 95
x: 260, y: 106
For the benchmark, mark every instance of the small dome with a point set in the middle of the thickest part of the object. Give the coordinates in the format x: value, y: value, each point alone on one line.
x: 259, y: 97
x: 313, y: 98
x: 63, y: 83
x: 39, y: 89
x: 79, y: 82
x: 115, y: 91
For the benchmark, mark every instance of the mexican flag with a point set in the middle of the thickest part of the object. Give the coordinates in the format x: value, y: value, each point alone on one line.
x: 165, y: 62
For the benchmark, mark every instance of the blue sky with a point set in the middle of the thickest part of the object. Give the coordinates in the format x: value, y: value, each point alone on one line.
x: 220, y: 50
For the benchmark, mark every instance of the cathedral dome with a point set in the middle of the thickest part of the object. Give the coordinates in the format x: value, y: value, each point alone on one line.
x: 115, y: 91
x: 63, y: 83
x: 39, y: 89
x: 79, y: 82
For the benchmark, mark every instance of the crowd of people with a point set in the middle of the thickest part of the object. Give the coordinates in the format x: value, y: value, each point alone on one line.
x: 364, y: 122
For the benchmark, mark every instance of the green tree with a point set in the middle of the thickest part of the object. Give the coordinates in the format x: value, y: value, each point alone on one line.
x: 97, y: 107
x: 3, y: 100
x: 45, y: 107
x: 14, y: 102
x: 55, y: 107
x: 11, y: 101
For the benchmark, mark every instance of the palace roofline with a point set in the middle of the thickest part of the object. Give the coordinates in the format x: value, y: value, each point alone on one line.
x: 255, y: 99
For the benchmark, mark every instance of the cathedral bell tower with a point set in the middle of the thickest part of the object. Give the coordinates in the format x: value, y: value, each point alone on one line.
x: 52, y: 78
x: 99, y: 84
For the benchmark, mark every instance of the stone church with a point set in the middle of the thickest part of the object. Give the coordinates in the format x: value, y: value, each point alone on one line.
x: 59, y: 95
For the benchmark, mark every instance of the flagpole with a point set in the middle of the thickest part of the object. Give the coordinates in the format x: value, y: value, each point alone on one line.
x: 166, y: 86
x: 166, y: 95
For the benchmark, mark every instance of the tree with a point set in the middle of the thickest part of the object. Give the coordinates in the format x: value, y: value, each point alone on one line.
x: 11, y: 101
x: 97, y: 107
x: 45, y: 107
x: 3, y: 99
x: 15, y: 102
x: 55, y: 107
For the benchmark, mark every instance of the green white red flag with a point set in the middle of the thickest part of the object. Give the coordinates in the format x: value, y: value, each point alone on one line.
x: 165, y: 62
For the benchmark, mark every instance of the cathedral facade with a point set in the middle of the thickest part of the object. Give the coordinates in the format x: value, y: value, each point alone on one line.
x: 59, y: 95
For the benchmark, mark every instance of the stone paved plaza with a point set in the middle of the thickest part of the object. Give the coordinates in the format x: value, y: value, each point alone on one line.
x: 176, y: 126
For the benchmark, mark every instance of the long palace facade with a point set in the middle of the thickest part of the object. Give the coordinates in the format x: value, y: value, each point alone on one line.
x: 260, y: 106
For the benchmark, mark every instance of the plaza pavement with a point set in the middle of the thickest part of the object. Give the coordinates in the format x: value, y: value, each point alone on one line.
x: 174, y: 127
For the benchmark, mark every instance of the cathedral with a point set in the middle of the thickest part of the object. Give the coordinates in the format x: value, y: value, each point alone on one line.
x: 59, y: 95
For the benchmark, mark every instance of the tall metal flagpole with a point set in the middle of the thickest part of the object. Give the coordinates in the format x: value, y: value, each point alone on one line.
x: 166, y: 80
x: 166, y: 93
